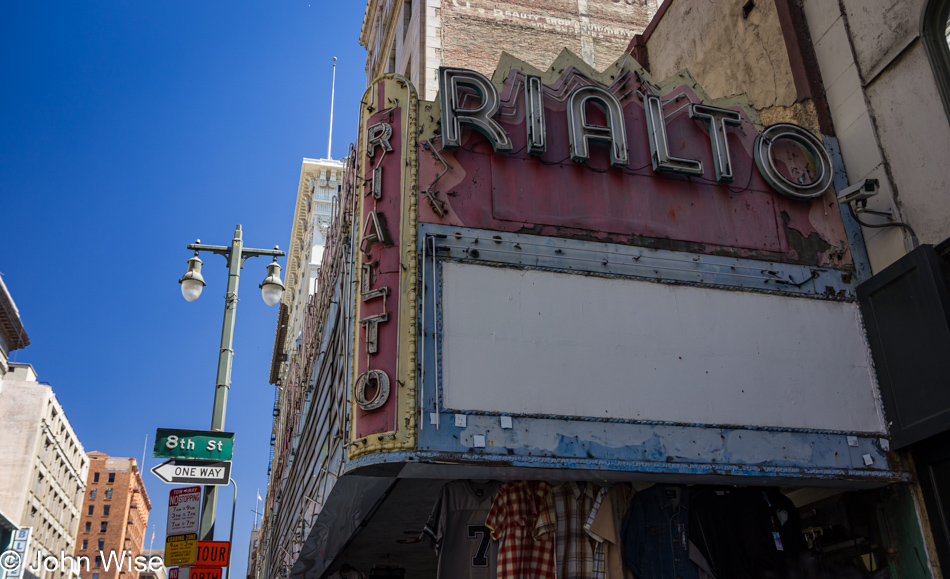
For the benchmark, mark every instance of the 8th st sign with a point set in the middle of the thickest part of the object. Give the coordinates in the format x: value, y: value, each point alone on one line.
x: 193, y: 444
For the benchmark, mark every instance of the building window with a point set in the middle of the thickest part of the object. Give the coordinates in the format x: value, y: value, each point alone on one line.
x: 406, y: 16
x: 103, y: 526
x: 105, y: 511
x: 88, y: 526
x: 95, y: 477
x: 108, y: 493
x: 92, y: 494
x: 111, y: 477
x: 85, y: 544
x: 98, y: 561
x: 92, y: 509
x: 102, y: 543
x: 934, y: 34
x: 95, y: 576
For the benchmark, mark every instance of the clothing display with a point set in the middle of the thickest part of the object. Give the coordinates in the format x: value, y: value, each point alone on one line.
x: 565, y: 511
x: 578, y: 530
x: 746, y: 532
x: 604, y: 525
x: 656, y: 536
x: 456, y: 530
x: 512, y: 520
x: 703, y: 570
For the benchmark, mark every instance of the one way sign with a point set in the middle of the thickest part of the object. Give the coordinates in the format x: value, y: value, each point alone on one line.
x: 195, y: 472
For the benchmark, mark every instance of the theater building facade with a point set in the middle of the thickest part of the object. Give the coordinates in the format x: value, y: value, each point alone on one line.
x: 575, y: 288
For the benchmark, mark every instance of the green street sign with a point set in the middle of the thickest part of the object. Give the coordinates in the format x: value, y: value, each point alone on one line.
x: 199, y: 444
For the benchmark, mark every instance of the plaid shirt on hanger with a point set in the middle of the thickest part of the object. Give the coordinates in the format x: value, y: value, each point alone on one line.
x: 564, y: 515
x: 511, y: 520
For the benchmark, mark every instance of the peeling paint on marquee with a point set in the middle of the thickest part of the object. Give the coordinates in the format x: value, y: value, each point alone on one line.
x: 615, y: 156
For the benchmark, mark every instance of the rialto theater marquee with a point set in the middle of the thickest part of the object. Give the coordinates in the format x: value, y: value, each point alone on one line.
x: 577, y: 275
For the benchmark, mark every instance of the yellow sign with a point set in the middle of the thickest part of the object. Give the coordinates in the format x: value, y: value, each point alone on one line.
x: 181, y: 549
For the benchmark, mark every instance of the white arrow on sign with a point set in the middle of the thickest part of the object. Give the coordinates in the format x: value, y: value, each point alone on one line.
x: 195, y: 472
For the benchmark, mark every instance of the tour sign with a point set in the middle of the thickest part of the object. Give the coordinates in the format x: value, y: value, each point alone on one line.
x: 213, y: 553
x: 195, y: 472
x: 200, y: 444
x: 181, y: 550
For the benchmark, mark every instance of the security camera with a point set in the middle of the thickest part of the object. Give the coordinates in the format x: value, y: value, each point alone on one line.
x: 860, y: 191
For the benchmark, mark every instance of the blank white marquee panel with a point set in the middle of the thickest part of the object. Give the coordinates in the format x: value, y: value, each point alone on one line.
x: 573, y: 345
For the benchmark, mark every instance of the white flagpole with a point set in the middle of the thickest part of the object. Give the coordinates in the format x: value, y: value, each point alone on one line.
x: 144, y: 452
x: 256, y: 503
x: 332, y: 94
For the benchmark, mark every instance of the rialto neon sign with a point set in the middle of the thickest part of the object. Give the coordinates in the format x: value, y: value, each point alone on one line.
x: 581, y: 132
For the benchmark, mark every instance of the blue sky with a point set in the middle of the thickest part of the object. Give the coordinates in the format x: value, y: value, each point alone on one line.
x: 127, y: 130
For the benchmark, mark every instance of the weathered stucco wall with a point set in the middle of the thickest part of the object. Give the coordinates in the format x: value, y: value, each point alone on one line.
x: 881, y: 29
x: 726, y: 53
x: 21, y: 407
x: 915, y: 136
x: 887, y: 114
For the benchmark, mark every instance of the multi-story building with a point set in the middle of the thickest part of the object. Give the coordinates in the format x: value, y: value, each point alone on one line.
x: 318, y: 203
x: 114, y: 517
x: 320, y: 182
x: 665, y: 278
x: 413, y: 38
x: 161, y: 572
x: 252, y: 546
x: 44, y: 466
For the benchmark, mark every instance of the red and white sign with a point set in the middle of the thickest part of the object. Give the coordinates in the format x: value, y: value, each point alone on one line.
x: 213, y: 553
x: 184, y: 511
x: 195, y: 572
x: 205, y: 573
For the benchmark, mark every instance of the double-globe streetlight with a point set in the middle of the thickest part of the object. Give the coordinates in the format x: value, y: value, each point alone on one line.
x: 191, y: 285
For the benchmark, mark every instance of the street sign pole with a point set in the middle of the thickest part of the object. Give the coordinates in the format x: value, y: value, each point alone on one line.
x: 235, y: 254
x: 226, y: 355
x: 227, y: 568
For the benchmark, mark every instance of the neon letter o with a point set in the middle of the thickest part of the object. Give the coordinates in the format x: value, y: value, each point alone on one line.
x: 766, y: 162
x: 376, y: 378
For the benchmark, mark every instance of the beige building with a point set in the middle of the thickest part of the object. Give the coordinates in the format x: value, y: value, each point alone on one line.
x: 12, y: 334
x: 413, y: 38
x: 318, y: 194
x: 320, y: 182
x: 43, y: 479
x: 161, y: 572
x: 252, y: 554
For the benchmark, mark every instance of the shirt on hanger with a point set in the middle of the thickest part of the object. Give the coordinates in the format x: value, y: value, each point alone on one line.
x: 564, y: 514
x: 511, y: 520
x: 655, y: 534
x: 457, y: 531
x: 604, y: 525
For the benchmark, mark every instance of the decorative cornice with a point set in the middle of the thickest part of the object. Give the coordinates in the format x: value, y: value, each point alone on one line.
x: 14, y: 334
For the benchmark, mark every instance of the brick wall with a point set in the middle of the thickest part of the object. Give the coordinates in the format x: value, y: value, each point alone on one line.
x: 126, y: 521
x: 475, y: 32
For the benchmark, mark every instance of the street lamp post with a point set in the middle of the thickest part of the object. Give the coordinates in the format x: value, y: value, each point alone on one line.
x: 191, y: 285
